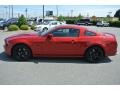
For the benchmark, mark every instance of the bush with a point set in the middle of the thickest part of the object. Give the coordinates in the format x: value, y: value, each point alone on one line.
x: 32, y: 27
x: 70, y: 21
x: 24, y: 27
x: 22, y: 21
x: 114, y: 23
x: 13, y: 28
x: 94, y: 22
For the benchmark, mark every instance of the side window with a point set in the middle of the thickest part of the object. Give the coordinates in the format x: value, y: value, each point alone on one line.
x: 89, y: 33
x: 74, y: 32
x: 68, y: 32
x: 54, y: 23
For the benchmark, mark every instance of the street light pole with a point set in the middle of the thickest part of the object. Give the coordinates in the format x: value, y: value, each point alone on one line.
x: 43, y: 13
x: 71, y: 13
x: 57, y: 10
x: 12, y: 10
x: 9, y: 11
x: 26, y: 12
x: 6, y: 11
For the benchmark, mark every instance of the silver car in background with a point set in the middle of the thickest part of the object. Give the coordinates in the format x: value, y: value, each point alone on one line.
x: 102, y: 24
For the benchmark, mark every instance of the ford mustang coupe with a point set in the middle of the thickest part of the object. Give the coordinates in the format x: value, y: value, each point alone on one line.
x: 62, y: 41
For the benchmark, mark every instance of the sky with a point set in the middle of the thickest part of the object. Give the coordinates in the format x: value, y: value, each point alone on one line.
x: 65, y: 10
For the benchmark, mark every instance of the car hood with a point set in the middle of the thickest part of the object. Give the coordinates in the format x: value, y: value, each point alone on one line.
x: 22, y: 35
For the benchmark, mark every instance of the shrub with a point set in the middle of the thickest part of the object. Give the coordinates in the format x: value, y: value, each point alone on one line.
x: 13, y: 28
x: 70, y: 21
x: 24, y: 27
x: 115, y: 23
x: 22, y: 21
x: 94, y: 22
x: 32, y: 27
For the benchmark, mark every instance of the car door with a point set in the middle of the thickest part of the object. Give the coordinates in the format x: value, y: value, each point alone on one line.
x: 64, y: 42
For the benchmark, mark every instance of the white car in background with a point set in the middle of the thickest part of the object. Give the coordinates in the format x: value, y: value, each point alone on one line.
x: 45, y: 26
x: 102, y: 24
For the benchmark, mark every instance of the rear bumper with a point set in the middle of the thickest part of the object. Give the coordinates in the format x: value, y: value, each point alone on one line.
x: 111, y: 53
x: 111, y: 49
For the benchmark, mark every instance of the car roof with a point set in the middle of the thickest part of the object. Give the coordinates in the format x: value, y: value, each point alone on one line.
x: 54, y: 21
x: 70, y: 26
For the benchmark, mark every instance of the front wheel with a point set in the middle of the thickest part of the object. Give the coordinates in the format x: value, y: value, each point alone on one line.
x: 94, y: 54
x: 21, y: 52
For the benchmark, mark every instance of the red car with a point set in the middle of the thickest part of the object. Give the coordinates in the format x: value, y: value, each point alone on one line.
x: 62, y: 41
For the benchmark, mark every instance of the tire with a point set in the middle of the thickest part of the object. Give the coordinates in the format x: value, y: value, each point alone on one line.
x: 44, y: 29
x: 21, y: 52
x: 94, y: 54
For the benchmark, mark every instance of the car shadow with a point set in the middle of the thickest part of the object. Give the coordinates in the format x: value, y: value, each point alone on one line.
x: 4, y: 57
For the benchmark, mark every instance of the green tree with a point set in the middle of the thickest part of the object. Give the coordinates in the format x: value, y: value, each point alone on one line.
x: 61, y: 18
x: 22, y: 21
x: 80, y: 17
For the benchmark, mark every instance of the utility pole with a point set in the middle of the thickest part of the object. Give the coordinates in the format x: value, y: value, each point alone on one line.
x: 68, y: 14
x: 18, y: 15
x: 3, y: 11
x: 26, y: 10
x: 43, y: 13
x: 57, y: 10
x: 9, y: 11
x: 12, y: 10
x: 6, y: 11
x: 87, y: 15
x: 71, y: 12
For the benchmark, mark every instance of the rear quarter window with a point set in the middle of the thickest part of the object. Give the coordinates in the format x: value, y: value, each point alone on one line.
x: 89, y: 33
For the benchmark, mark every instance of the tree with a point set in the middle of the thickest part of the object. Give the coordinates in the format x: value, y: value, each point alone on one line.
x: 108, y: 16
x: 94, y: 18
x: 22, y: 21
x: 80, y: 17
x: 117, y: 14
x: 61, y: 18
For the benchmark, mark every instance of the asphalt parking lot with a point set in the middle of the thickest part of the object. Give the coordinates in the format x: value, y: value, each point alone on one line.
x: 60, y: 70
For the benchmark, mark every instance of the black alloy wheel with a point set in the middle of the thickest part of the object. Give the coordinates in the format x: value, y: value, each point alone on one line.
x: 94, y: 54
x: 21, y: 52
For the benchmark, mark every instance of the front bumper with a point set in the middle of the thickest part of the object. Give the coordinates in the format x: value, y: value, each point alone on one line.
x: 7, y: 49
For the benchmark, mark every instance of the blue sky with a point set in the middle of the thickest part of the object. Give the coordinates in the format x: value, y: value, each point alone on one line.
x: 36, y: 10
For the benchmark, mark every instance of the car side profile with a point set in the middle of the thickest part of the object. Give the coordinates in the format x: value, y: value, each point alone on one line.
x: 102, y: 24
x: 85, y: 22
x: 5, y: 24
x: 48, y: 25
x: 62, y: 41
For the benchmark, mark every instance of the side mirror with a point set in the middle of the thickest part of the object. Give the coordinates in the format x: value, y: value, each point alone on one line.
x: 49, y: 36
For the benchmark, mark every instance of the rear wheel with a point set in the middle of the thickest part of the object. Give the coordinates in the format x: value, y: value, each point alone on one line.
x: 94, y: 54
x: 21, y: 52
